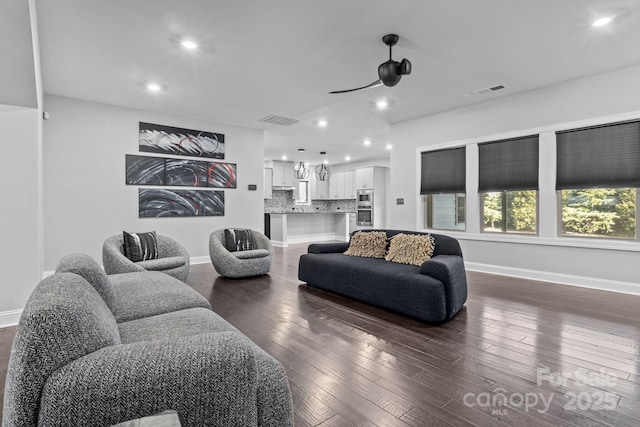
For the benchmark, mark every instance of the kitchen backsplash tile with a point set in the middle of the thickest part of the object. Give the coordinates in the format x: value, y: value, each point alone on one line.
x: 282, y: 201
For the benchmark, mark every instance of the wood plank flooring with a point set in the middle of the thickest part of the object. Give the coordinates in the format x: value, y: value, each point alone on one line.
x: 559, y: 355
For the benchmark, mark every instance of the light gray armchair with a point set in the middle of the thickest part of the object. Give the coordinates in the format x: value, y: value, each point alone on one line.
x: 240, y: 263
x: 173, y: 258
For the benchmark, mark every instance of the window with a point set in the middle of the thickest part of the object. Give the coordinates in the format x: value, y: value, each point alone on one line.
x: 442, y: 186
x: 599, y: 212
x: 444, y: 211
x: 508, y: 185
x: 598, y: 175
x: 303, y: 193
x: 509, y: 211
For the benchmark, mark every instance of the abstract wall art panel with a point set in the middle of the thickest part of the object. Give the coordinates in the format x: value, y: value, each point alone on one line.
x: 222, y: 175
x: 187, y: 173
x: 183, y: 142
x: 143, y: 170
x: 160, y: 203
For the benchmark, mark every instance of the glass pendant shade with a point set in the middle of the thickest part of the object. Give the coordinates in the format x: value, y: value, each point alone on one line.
x: 300, y: 170
x: 323, y: 173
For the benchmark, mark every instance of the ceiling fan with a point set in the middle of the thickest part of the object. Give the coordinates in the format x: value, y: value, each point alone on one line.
x: 389, y: 72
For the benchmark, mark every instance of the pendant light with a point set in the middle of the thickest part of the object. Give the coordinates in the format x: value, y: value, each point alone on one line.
x: 300, y: 170
x: 323, y: 173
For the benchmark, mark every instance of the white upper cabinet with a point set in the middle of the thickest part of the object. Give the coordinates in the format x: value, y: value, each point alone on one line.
x: 350, y: 185
x: 364, y: 178
x: 283, y: 174
x: 319, y: 189
x: 336, y: 185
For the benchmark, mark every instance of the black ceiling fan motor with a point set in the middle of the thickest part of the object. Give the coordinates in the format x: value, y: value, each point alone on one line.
x: 389, y: 72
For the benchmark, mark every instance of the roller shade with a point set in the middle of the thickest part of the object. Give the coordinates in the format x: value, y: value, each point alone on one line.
x: 599, y: 157
x: 509, y: 164
x: 443, y: 171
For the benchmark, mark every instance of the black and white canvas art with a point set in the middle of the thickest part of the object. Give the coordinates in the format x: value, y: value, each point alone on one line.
x: 160, y: 203
x: 145, y: 170
x: 178, y: 141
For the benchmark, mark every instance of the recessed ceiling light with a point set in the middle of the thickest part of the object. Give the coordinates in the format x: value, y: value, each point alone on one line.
x: 367, y: 141
x: 602, y: 21
x: 382, y: 104
x: 284, y: 157
x: 322, y: 123
x: 389, y: 146
x: 347, y: 158
x: 326, y: 162
x: 189, y: 44
x: 153, y: 87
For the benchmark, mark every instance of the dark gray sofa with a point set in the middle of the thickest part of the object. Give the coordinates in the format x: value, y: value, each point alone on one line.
x: 97, y: 350
x: 433, y: 292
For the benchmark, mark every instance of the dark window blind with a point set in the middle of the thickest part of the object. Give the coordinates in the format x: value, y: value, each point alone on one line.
x: 509, y: 164
x: 599, y: 157
x: 443, y: 171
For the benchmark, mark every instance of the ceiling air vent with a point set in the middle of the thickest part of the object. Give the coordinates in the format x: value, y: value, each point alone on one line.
x: 278, y: 120
x: 489, y: 89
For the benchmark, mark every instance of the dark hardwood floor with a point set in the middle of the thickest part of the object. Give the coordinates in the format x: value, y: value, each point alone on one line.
x: 559, y: 355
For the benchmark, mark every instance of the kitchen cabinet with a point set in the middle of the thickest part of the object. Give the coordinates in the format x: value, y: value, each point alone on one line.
x: 350, y: 185
x: 268, y: 183
x: 364, y: 178
x: 283, y: 174
x: 336, y: 185
x: 319, y: 189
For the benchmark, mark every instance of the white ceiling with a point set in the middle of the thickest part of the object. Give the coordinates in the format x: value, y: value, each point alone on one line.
x: 282, y: 57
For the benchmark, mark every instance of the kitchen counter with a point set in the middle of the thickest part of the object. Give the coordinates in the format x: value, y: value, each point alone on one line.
x: 299, y: 227
x: 292, y: 212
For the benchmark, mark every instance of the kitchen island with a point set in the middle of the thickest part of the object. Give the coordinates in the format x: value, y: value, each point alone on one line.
x: 311, y: 226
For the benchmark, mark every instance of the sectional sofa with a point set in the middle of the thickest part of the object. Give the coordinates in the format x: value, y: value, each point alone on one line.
x: 97, y: 350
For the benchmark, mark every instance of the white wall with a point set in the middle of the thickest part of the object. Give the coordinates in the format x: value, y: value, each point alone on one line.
x: 597, y: 98
x: 19, y: 252
x: 85, y: 196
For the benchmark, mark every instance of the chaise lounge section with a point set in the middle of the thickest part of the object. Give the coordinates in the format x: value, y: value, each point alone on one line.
x: 432, y: 292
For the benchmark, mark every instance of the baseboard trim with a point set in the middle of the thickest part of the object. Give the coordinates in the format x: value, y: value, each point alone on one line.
x: 10, y: 318
x: 200, y: 260
x: 559, y: 278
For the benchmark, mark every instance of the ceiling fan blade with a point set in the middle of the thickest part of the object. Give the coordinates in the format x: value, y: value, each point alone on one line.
x: 405, y: 67
x: 374, y: 84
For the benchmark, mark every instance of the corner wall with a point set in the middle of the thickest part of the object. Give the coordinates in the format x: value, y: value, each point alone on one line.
x: 85, y: 196
x: 596, y: 98
x: 19, y: 252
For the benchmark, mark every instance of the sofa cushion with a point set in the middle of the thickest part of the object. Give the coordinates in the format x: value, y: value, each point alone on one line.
x: 255, y: 253
x: 147, y: 293
x: 370, y: 245
x: 239, y: 239
x: 165, y: 263
x: 181, y: 323
x: 410, y: 249
x: 140, y: 246
x: 89, y: 269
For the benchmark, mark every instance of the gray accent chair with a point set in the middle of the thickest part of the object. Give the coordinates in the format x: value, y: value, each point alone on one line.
x: 240, y: 263
x: 173, y: 258
x: 74, y: 364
